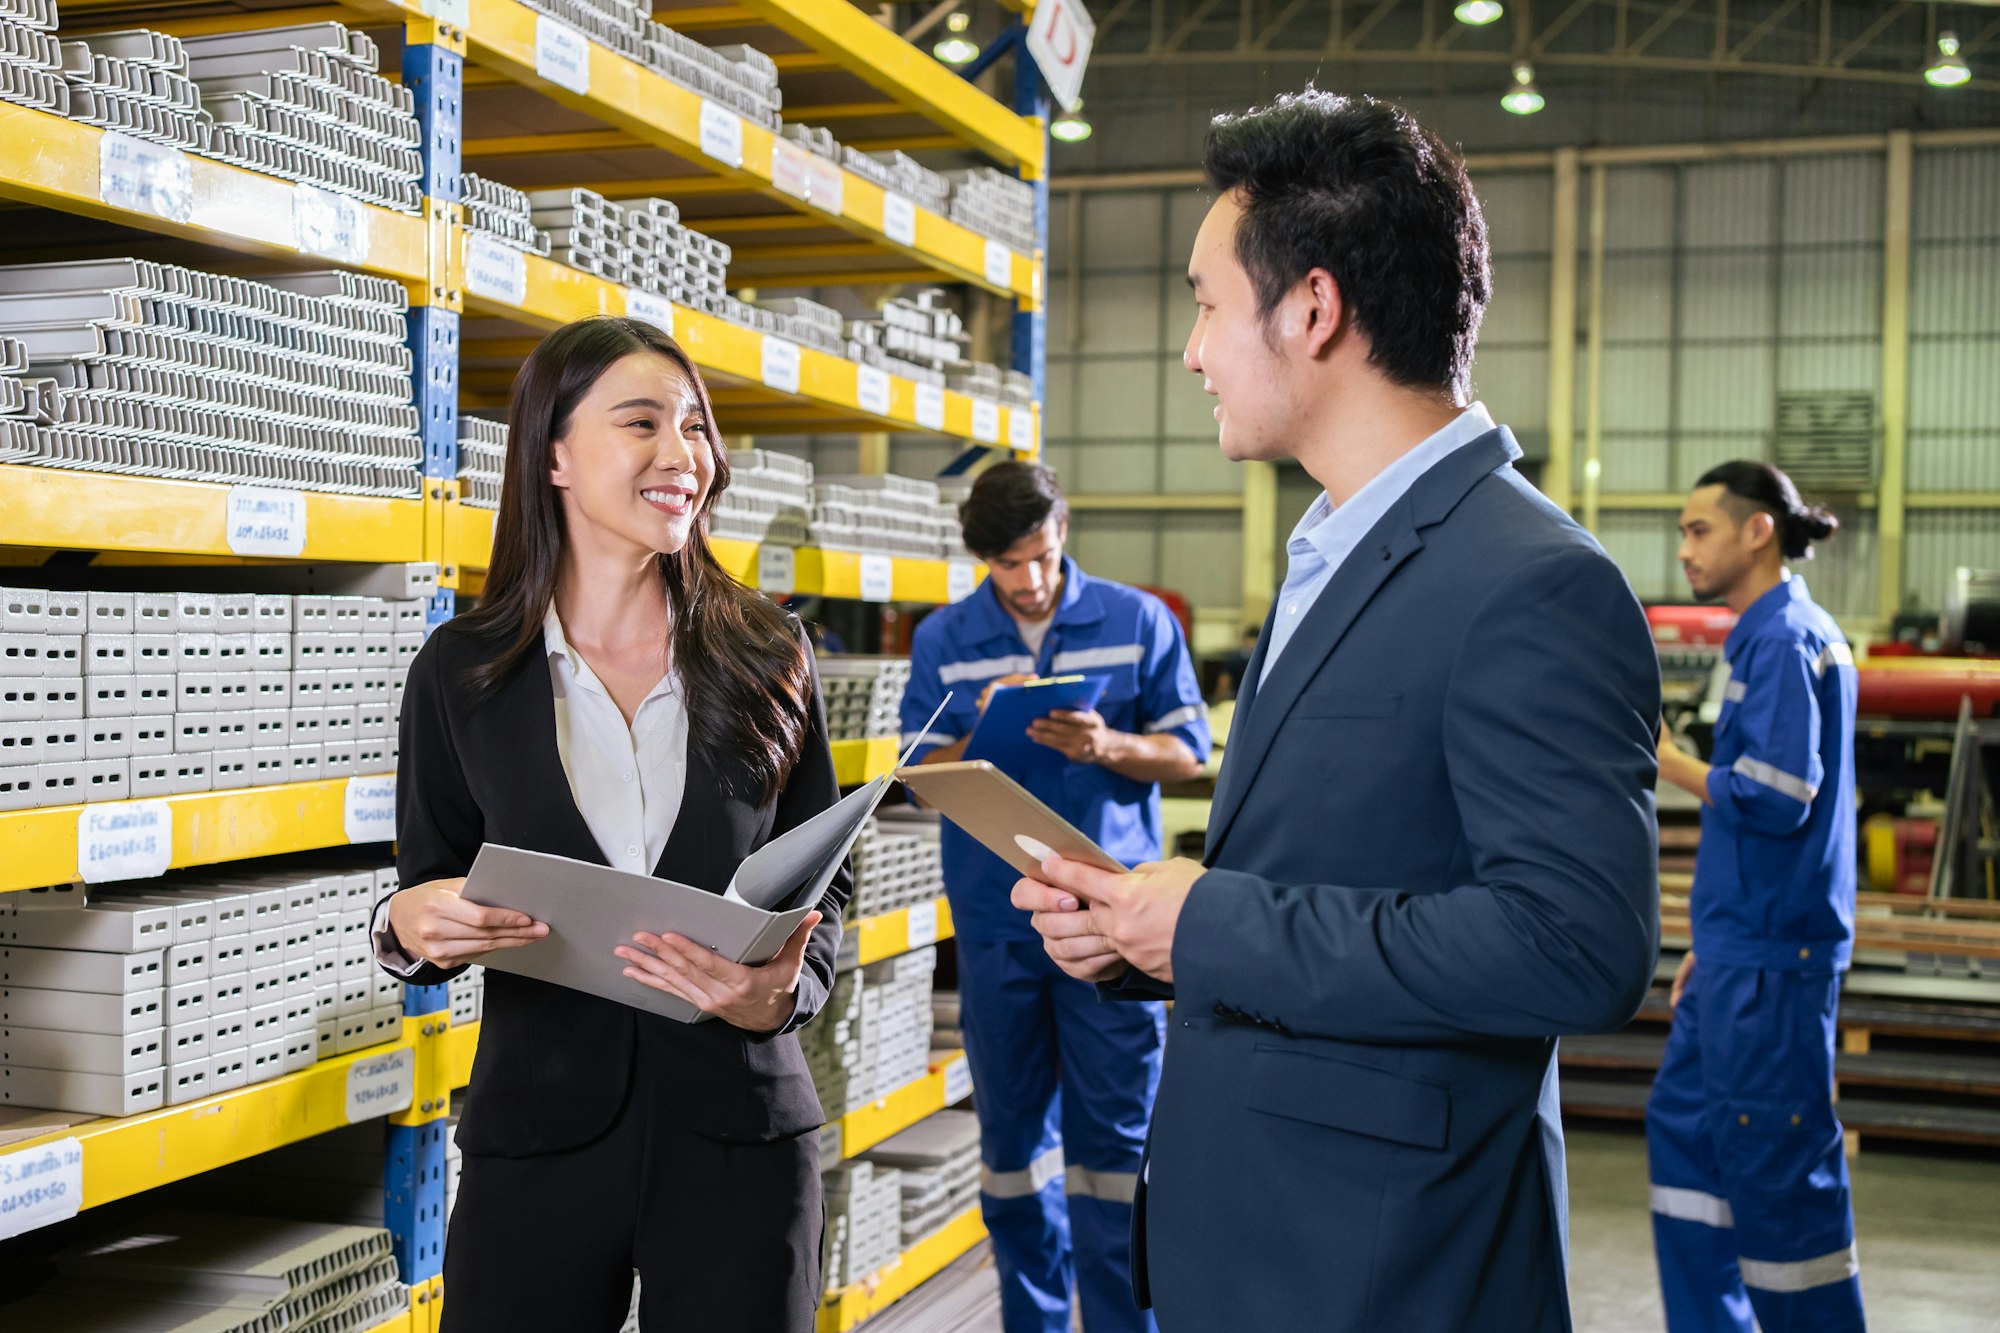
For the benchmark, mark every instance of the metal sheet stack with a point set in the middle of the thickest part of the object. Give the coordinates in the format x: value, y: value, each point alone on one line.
x: 863, y: 695
x: 136, y: 82
x: 903, y: 174
x: 885, y: 513
x: 304, y: 103
x: 108, y: 695
x: 741, y: 78
x: 937, y: 1160
x: 482, y: 461
x: 864, y: 1207
x: 503, y: 212
x: 916, y: 337
x: 176, y: 1272
x: 802, y: 321
x: 636, y: 242
x: 618, y: 24
x: 896, y: 863
x: 994, y: 204
x: 20, y: 403
x: 873, y: 1036
x: 30, y: 57
x: 769, y: 499
x: 158, y: 992
x: 297, y: 380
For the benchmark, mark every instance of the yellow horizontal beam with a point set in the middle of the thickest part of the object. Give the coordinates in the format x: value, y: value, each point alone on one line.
x: 456, y: 1048
x: 804, y: 62
x: 627, y: 96
x: 856, y: 762
x: 703, y: 17
x: 53, y: 162
x: 544, y: 145
x: 39, y: 847
x: 886, y: 1117
x: 888, y: 934
x: 93, y: 511
x: 131, y: 1155
x: 764, y: 222
x: 879, y: 56
x: 823, y: 250
x: 829, y: 112
x: 848, y: 1307
x: 904, y: 143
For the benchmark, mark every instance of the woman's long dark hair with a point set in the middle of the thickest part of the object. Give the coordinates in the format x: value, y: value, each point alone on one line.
x: 741, y: 661
x: 1756, y: 485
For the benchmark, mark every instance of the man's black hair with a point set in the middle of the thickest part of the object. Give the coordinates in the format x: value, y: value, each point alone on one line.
x: 1750, y: 486
x: 1009, y: 501
x: 1357, y: 187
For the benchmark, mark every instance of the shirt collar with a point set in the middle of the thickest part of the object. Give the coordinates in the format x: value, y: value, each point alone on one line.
x: 553, y: 642
x: 557, y: 646
x: 1376, y: 498
x: 1791, y: 588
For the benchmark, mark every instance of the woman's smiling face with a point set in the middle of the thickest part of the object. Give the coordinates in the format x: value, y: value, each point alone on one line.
x: 636, y: 463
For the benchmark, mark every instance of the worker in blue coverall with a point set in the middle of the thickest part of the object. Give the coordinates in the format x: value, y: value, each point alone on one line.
x: 1063, y: 1084
x: 1751, y: 1214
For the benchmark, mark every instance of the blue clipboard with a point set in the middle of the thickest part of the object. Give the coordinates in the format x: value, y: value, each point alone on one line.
x: 1001, y: 737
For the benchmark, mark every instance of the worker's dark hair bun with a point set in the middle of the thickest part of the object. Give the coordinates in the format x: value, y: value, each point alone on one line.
x: 1759, y: 486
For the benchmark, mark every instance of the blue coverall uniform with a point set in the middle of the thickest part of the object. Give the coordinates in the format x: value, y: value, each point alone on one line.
x: 1750, y: 1200
x: 1063, y: 1083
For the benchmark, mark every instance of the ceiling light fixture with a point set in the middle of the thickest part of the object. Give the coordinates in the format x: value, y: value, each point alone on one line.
x: 1478, y: 13
x: 1071, y: 126
x: 1523, y: 99
x: 1949, y: 69
x: 956, y: 48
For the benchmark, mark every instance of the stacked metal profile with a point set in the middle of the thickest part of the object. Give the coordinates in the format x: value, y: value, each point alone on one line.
x: 873, y: 1036
x: 903, y: 174
x: 938, y: 1164
x: 864, y: 1208
x: 157, y: 992
x: 503, y: 212
x: 20, y: 404
x: 916, y: 337
x: 741, y: 78
x: 815, y: 139
x: 108, y: 695
x: 180, y: 1272
x: 994, y: 204
x: 466, y: 994
x: 634, y: 242
x: 885, y: 513
x: 981, y: 379
x: 30, y: 57
x: 306, y: 103
x: 482, y: 460
x: 863, y: 695
x: 769, y: 500
x: 896, y: 863
x: 296, y: 380
x: 802, y: 321
x: 136, y: 82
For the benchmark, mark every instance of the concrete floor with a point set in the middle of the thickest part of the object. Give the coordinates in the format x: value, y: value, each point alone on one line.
x: 1929, y: 1231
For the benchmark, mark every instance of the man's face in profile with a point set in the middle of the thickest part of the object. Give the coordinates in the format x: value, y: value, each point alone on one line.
x: 1228, y: 346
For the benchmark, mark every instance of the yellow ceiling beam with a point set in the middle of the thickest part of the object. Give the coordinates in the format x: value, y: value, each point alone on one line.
x: 834, y: 111
x: 696, y: 19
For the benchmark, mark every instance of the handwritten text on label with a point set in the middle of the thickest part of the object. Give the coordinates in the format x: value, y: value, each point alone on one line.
x: 124, y: 840
x: 40, y: 1185
x: 777, y: 569
x: 333, y: 225
x: 828, y: 184
x: 961, y: 577
x: 1021, y: 429
x: 653, y: 308
x: 145, y: 177
x: 871, y: 390
x: 878, y: 578
x: 899, y: 219
x: 930, y: 407
x: 986, y: 421
x: 791, y: 169
x: 368, y: 809
x: 957, y: 1082
x: 721, y: 134
x: 495, y: 271
x: 923, y: 925
x: 999, y: 265
x: 263, y: 520
x: 781, y: 364
x: 562, y: 55
x: 381, y: 1084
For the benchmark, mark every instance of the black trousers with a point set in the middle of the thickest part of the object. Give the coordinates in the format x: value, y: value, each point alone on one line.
x: 725, y: 1236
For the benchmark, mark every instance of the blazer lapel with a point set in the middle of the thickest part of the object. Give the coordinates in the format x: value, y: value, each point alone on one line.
x: 531, y: 697
x: 1231, y: 781
x: 1393, y: 540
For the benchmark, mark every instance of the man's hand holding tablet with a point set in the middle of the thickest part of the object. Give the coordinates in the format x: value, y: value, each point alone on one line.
x: 1095, y: 923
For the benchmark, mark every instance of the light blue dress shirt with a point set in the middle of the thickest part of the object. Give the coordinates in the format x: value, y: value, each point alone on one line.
x: 1326, y: 536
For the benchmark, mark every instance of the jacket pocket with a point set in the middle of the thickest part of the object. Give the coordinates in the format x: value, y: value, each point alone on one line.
x: 1341, y: 1095
x: 1346, y: 703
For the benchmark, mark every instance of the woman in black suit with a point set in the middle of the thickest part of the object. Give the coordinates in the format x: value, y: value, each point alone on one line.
x: 618, y: 698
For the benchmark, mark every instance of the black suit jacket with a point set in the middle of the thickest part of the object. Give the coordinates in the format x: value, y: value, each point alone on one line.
x: 554, y: 1064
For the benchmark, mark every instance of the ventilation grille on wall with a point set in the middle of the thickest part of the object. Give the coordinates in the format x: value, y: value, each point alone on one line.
x: 1826, y: 440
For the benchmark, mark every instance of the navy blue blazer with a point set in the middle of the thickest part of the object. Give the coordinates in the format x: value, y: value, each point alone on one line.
x: 1432, y: 851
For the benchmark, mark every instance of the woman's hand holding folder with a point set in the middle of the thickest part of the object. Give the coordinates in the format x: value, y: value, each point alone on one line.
x: 756, y: 999
x: 432, y: 922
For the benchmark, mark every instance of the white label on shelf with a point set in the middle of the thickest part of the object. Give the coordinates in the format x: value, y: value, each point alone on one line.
x: 922, y: 925
x: 495, y: 270
x: 871, y: 390
x: 899, y: 219
x: 986, y: 421
x: 957, y: 1081
x: 458, y: 13
x: 368, y: 808
x: 878, y: 578
x: 960, y: 578
x: 777, y: 569
x: 781, y: 364
x: 999, y: 265
x: 721, y: 134
x: 124, y: 840
x: 1021, y: 429
x: 930, y: 407
x: 828, y: 183
x: 562, y: 55
x: 652, y: 307
x: 263, y: 520
x: 145, y: 177
x: 381, y: 1084
x: 40, y: 1186
x: 791, y: 169
x: 328, y: 224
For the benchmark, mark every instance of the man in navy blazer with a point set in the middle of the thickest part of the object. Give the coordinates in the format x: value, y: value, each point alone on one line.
x: 1432, y: 849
